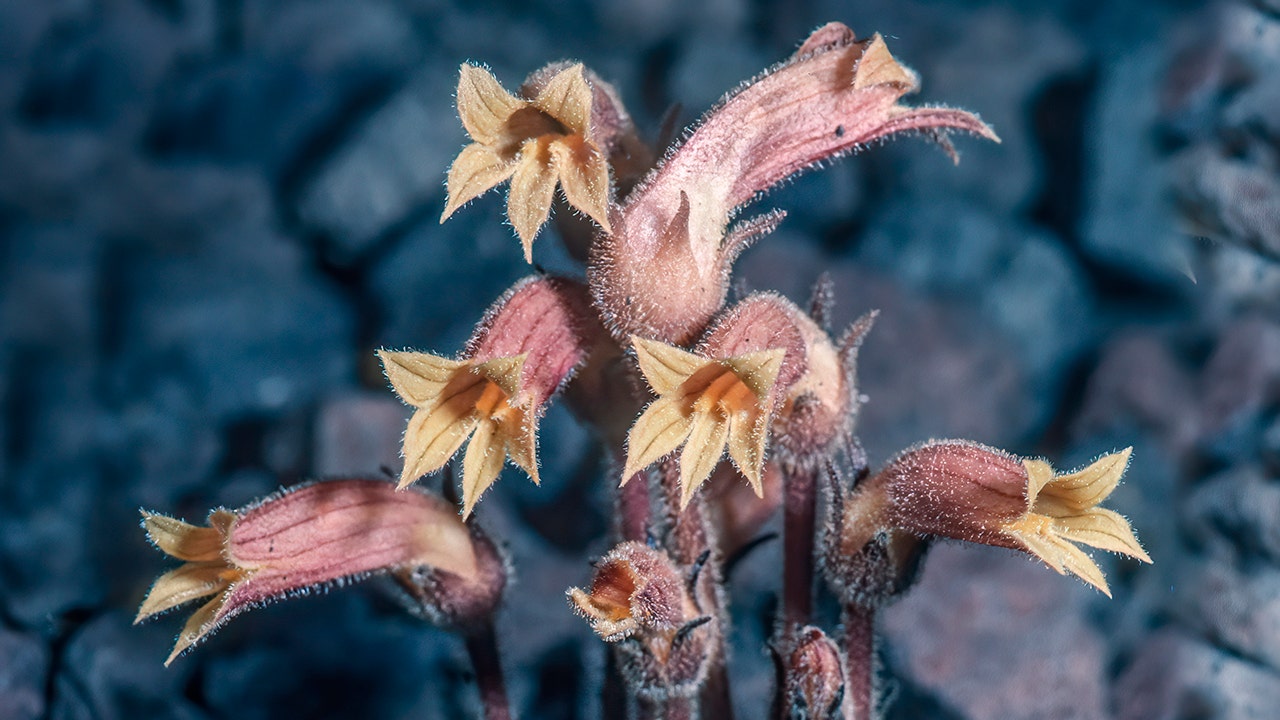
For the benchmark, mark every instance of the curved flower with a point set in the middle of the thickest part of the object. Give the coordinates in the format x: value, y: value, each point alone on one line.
x: 971, y: 492
x: 835, y: 96
x: 535, y: 143
x: 308, y: 537
x: 528, y: 345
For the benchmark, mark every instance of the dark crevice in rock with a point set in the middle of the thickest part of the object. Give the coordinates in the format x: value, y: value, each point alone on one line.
x: 1059, y: 114
x: 322, y: 143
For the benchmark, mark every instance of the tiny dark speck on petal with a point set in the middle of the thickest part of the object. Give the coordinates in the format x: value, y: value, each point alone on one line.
x: 839, y: 131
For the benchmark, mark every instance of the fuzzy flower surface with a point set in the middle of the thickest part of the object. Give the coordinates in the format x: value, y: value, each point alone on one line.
x: 536, y: 143
x: 490, y: 398
x: 971, y: 492
x: 296, y: 541
x: 707, y: 406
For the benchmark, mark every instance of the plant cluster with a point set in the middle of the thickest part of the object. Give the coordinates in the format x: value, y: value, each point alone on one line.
x: 715, y: 413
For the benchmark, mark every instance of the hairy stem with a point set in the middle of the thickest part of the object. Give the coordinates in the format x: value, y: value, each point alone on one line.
x: 482, y: 647
x: 633, y: 508
x: 675, y: 708
x: 799, y: 513
x: 860, y: 650
x: 717, y: 700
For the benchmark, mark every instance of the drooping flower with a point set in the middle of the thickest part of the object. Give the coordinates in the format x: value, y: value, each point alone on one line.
x: 722, y: 398
x: 536, y: 143
x: 527, y: 346
x: 967, y: 491
x: 663, y: 271
x: 312, y: 537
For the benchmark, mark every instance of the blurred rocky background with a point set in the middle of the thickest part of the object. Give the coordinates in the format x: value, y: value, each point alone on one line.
x: 213, y: 211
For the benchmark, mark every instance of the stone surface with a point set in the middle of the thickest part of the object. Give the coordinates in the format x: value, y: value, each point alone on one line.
x: 1238, y: 507
x: 22, y: 676
x: 970, y: 601
x: 358, y: 434
x: 390, y: 169
x: 1175, y: 676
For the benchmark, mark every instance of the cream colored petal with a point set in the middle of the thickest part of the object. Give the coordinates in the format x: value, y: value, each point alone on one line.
x: 182, y: 585
x: 504, y: 372
x: 758, y: 370
x: 1090, y: 486
x: 483, y: 105
x: 433, y: 436
x: 1103, y: 529
x: 1041, y: 547
x: 567, y: 98
x: 473, y: 172
x: 664, y: 366
x: 482, y: 464
x: 520, y: 430
x: 183, y: 540
x: 1039, y: 474
x: 532, y: 188
x: 877, y: 66
x: 659, y: 430
x: 584, y: 177
x: 1083, y: 567
x: 199, y: 625
x: 704, y: 448
x: 1064, y: 557
x: 419, y: 378
x: 748, y: 433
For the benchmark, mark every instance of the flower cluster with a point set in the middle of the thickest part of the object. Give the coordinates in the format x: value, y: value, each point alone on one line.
x: 686, y: 389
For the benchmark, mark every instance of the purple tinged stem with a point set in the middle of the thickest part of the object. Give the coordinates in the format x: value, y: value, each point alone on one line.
x: 799, y: 518
x: 482, y: 647
x: 860, y: 648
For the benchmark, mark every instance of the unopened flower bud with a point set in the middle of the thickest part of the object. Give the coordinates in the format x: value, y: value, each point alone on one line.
x: 525, y: 349
x: 822, y: 406
x: 815, y: 677
x: 308, y: 538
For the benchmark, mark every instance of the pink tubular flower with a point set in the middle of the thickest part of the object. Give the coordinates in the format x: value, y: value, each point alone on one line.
x: 662, y: 272
x: 311, y: 537
x: 967, y: 491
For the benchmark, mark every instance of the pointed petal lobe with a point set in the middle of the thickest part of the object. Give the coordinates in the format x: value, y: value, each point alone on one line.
x: 532, y: 188
x: 183, y: 540
x: 483, y: 104
x: 184, y: 584
x: 704, y: 448
x: 482, y: 463
x: 476, y: 170
x: 567, y: 98
x: 665, y: 366
x: 584, y: 177
x: 659, y: 430
x: 419, y: 378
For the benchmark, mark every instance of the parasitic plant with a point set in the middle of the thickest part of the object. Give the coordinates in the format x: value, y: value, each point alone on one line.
x: 715, y: 414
